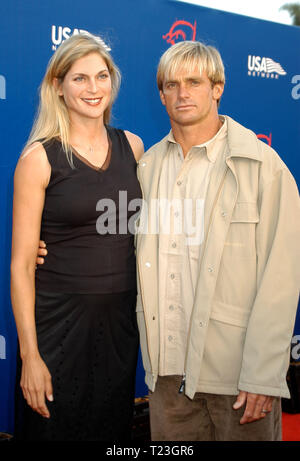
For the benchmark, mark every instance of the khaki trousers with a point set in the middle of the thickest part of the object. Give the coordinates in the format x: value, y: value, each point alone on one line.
x: 208, y: 417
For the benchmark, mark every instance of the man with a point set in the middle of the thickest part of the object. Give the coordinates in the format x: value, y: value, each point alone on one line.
x: 217, y: 300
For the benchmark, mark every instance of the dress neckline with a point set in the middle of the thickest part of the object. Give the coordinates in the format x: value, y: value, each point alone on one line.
x: 105, y: 165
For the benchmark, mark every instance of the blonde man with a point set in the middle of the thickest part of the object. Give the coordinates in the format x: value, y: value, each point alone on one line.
x: 219, y: 272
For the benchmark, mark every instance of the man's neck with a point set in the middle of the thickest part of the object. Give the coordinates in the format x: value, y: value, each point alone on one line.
x: 193, y: 135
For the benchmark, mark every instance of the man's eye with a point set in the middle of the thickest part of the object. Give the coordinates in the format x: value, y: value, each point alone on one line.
x: 170, y: 85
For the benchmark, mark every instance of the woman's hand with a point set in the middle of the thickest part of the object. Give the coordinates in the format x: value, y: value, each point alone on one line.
x: 36, y: 383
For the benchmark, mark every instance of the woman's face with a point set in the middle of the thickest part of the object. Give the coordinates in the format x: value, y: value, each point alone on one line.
x: 86, y: 88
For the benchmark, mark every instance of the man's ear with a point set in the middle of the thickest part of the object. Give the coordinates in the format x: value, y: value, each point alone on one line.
x: 218, y: 90
x: 57, y: 86
x: 162, y: 97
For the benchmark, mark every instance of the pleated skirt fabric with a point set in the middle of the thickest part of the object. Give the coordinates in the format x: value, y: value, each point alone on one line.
x: 89, y: 343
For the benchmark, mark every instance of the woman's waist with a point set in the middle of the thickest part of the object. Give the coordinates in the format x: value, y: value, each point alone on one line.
x: 55, y: 282
x: 79, y: 258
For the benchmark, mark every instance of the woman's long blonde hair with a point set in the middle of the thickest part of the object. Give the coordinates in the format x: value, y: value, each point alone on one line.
x: 52, y: 119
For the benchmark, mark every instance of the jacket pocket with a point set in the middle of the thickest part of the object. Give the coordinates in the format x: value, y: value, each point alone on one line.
x: 245, y: 212
x: 236, y: 284
x: 223, y: 352
x: 228, y: 313
x: 240, y: 240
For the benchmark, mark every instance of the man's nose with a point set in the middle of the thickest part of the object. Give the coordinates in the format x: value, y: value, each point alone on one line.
x: 183, y: 90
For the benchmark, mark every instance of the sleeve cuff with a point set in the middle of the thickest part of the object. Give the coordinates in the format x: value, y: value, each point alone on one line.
x: 265, y: 390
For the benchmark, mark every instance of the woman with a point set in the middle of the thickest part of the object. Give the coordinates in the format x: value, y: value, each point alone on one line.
x: 75, y: 315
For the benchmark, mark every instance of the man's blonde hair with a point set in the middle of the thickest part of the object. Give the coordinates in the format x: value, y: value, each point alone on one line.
x: 52, y: 118
x: 190, y: 55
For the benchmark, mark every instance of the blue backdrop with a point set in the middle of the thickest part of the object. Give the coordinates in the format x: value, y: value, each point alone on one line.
x: 262, y: 91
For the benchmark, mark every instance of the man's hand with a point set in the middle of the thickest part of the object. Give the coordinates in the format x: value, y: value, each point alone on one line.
x: 257, y: 406
x: 41, y: 252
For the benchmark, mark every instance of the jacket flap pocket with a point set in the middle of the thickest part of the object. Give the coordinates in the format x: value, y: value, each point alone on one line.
x: 228, y: 313
x: 245, y: 212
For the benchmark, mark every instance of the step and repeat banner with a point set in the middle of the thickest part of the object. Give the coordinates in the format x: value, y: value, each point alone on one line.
x: 262, y: 91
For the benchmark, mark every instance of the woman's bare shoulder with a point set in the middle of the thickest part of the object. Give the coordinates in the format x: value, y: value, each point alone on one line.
x: 136, y: 144
x: 33, y: 163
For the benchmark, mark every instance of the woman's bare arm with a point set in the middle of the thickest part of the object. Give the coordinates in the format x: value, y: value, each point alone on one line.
x: 30, y: 181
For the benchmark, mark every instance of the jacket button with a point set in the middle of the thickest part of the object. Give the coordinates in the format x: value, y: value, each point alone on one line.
x: 147, y: 264
x: 224, y: 214
x: 210, y: 269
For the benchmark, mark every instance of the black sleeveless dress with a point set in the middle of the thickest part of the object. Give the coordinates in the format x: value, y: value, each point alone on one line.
x: 85, y: 298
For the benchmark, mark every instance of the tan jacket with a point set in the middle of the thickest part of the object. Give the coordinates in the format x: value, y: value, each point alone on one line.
x: 248, y: 285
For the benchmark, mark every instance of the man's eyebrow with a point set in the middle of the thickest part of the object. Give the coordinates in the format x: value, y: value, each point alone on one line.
x: 171, y: 80
x: 194, y: 77
x: 185, y: 79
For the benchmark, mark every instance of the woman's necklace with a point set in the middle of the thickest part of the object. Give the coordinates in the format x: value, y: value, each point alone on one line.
x: 89, y: 152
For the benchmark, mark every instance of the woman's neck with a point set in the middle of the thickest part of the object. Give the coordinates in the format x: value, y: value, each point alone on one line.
x: 90, y: 132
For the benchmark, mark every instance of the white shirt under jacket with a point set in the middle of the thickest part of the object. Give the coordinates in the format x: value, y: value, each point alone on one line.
x: 182, y: 191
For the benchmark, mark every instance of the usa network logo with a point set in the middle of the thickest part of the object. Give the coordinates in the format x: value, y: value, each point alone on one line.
x: 264, y: 67
x: 61, y: 33
x: 2, y: 87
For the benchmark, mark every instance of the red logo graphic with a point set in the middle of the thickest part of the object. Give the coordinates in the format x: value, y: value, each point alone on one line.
x: 267, y: 138
x: 176, y: 33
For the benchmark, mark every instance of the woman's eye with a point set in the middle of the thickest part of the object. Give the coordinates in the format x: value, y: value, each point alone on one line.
x: 78, y: 79
x: 103, y: 76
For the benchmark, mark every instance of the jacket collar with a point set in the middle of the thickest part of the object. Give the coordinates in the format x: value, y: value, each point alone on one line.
x: 242, y: 142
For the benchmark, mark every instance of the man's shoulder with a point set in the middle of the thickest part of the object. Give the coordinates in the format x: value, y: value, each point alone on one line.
x: 247, y: 143
x: 152, y: 160
x: 159, y: 146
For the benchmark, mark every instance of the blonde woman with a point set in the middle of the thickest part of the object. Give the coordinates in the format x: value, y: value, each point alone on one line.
x: 75, y: 314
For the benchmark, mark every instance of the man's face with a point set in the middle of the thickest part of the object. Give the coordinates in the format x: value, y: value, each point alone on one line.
x: 190, y: 98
